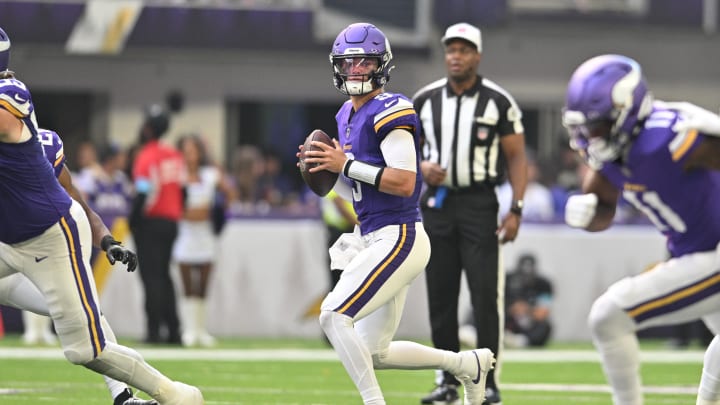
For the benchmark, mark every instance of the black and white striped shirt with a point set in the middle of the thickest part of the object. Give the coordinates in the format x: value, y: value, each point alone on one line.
x: 462, y: 133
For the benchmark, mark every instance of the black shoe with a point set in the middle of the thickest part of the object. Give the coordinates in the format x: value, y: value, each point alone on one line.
x: 492, y: 396
x: 441, y: 395
x: 126, y: 398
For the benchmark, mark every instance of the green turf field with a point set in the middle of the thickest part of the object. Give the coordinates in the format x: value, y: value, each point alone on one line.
x: 306, y: 372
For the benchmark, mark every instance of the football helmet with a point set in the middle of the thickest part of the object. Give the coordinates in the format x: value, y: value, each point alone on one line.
x: 607, y: 100
x: 360, y: 40
x: 4, y: 51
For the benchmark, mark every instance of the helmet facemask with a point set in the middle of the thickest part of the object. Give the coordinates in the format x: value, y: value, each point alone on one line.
x: 349, y: 82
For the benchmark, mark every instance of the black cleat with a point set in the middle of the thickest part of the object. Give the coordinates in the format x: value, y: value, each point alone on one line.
x: 127, y: 398
x: 492, y: 397
x: 445, y: 394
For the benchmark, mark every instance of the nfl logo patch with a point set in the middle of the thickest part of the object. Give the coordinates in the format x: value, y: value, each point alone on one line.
x: 482, y: 133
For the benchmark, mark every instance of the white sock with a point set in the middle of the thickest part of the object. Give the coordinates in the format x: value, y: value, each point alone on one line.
x: 353, y: 354
x: 414, y: 356
x: 115, y: 386
x: 125, y: 364
x: 621, y: 364
x: 709, y: 390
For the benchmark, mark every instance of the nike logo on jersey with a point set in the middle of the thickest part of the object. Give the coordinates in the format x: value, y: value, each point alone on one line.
x: 39, y: 259
x: 19, y: 99
x: 391, y: 102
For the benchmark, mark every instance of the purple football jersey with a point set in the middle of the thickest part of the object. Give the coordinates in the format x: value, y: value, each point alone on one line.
x: 360, y: 134
x: 53, y: 148
x: 32, y: 198
x: 681, y: 204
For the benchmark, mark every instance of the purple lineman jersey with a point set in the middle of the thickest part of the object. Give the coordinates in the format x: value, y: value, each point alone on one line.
x: 360, y: 135
x: 53, y: 149
x: 681, y: 204
x: 32, y: 199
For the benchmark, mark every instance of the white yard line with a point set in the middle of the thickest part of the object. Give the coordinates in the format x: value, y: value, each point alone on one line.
x: 511, y: 356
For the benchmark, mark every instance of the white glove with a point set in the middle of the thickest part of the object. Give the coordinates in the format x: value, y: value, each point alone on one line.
x: 694, y: 117
x: 345, y: 248
x: 580, y: 210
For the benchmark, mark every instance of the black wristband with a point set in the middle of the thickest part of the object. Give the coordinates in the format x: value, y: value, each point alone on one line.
x: 108, y: 241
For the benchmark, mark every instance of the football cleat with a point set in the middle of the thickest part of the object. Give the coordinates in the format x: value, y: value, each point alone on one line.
x: 474, y: 366
x: 492, y: 397
x: 444, y: 394
x: 127, y: 398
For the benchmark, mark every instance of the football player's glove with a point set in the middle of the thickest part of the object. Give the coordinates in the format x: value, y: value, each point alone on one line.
x: 580, y: 210
x: 116, y: 252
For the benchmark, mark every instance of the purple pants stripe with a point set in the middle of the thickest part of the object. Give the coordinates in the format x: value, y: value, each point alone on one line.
x: 381, y: 273
x: 677, y: 299
x: 82, y: 282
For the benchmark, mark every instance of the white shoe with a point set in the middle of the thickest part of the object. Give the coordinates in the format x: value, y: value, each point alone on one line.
x: 206, y: 340
x: 468, y: 336
x: 31, y: 339
x: 184, y: 395
x: 475, y: 365
x: 49, y: 338
x: 189, y: 339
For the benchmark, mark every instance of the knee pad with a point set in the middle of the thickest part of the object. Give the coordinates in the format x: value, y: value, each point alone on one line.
x: 608, y: 321
x: 79, y: 355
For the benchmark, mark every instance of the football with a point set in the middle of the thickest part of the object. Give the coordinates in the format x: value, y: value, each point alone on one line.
x: 319, y: 182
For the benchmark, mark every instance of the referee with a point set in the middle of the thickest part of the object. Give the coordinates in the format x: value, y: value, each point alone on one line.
x: 473, y: 141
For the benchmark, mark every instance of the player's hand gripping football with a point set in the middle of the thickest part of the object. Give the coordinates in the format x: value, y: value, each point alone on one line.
x: 580, y: 210
x: 330, y: 158
x: 116, y: 252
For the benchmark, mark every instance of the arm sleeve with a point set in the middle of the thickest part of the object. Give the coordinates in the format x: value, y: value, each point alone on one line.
x: 399, y: 150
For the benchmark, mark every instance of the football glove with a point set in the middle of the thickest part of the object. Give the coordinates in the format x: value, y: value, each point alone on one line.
x: 580, y: 210
x: 116, y: 252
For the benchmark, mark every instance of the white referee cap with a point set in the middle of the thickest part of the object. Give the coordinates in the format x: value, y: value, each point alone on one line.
x: 464, y: 31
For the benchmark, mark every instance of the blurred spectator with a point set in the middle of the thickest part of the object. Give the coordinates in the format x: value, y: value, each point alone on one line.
x: 85, y: 157
x: 106, y: 188
x: 274, y: 187
x: 247, y: 169
x: 156, y: 209
x: 195, y: 247
x: 538, y: 199
x: 528, y: 298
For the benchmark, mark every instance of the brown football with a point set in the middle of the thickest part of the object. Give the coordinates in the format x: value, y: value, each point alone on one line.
x: 319, y: 182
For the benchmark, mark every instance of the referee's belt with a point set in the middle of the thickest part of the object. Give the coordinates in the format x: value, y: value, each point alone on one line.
x: 474, y: 189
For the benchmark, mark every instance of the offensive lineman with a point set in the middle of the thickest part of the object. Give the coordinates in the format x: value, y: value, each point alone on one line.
x: 43, y: 229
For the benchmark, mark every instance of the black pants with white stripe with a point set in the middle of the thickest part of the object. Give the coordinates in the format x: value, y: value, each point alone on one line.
x: 462, y: 236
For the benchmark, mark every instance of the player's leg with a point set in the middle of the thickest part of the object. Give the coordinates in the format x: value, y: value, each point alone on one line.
x: 370, y: 280
x: 65, y: 279
x: 205, y: 338
x: 672, y: 292
x: 187, y: 304
x: 480, y: 257
x: 442, y: 281
x: 709, y: 390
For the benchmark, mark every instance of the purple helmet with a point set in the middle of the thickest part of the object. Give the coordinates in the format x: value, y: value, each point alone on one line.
x: 607, y: 98
x: 4, y: 51
x: 360, y: 40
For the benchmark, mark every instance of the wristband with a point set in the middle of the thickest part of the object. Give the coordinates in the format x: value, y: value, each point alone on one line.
x: 108, y: 241
x: 365, y: 172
